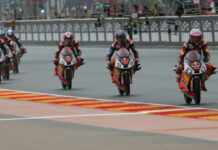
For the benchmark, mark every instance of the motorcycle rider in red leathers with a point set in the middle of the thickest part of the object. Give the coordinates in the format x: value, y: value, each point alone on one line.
x: 10, y: 35
x: 70, y: 41
x: 121, y: 41
x: 6, y: 39
x: 195, y: 42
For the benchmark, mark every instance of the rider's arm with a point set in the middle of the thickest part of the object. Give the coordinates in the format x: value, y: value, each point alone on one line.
x: 18, y: 41
x: 205, y: 51
x: 111, y: 51
x: 77, y: 47
x: 4, y: 48
x: 182, y: 53
x: 60, y: 47
x: 134, y: 51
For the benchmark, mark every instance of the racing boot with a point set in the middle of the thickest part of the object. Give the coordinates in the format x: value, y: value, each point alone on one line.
x: 112, y: 78
x: 204, y: 87
x: 137, y: 65
x: 55, y: 71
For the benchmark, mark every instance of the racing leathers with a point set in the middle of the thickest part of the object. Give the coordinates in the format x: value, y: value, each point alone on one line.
x: 129, y: 45
x: 3, y: 47
x: 18, y: 42
x: 202, y: 48
x: 75, y: 47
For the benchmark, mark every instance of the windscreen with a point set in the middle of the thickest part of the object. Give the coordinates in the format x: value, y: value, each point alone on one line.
x: 193, y: 56
x: 66, y: 52
x: 123, y: 52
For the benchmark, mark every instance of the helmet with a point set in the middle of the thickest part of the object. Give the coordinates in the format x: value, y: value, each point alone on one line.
x: 10, y: 33
x: 120, y: 37
x: 2, y: 34
x: 68, y: 37
x: 195, y: 36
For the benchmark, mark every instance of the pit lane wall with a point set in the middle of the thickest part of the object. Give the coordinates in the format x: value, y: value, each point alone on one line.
x: 151, y: 31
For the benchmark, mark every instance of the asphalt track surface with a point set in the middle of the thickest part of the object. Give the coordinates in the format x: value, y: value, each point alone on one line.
x: 155, y: 83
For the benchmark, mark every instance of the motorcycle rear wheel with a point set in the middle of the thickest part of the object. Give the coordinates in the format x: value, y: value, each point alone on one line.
x: 69, y: 78
x: 121, y: 91
x: 64, y: 85
x: 197, y: 90
x: 188, y: 100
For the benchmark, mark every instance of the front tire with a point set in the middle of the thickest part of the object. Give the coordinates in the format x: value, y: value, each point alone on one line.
x: 197, y: 90
x: 7, y: 71
x: 69, y: 78
x: 15, y: 61
x: 126, y: 80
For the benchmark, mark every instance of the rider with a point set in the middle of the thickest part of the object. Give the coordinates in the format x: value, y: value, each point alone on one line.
x: 195, y: 42
x: 3, y: 46
x: 70, y: 41
x: 121, y: 41
x: 11, y: 36
x: 5, y: 38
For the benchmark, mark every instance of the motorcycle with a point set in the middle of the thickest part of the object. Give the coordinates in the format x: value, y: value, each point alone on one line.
x: 2, y: 59
x: 193, y: 77
x: 16, y: 55
x: 5, y: 65
x: 123, y: 70
x: 66, y: 67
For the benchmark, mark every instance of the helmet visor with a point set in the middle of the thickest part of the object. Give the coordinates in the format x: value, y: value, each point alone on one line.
x: 67, y: 39
x: 196, y: 38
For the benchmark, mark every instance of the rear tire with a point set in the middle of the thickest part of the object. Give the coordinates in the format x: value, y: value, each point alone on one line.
x: 64, y: 85
x: 69, y: 78
x: 188, y: 100
x: 126, y: 80
x: 197, y: 90
x: 121, y: 91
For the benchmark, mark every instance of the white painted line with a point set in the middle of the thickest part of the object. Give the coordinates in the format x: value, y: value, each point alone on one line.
x: 108, y: 100
x: 71, y: 116
x: 85, y: 115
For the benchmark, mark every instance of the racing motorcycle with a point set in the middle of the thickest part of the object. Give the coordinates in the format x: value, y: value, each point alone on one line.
x: 193, y: 77
x: 66, y: 67
x: 16, y: 55
x: 123, y: 70
x: 2, y: 59
x: 5, y: 64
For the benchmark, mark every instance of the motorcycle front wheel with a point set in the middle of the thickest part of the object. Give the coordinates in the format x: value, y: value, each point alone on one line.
x: 69, y: 78
x: 197, y: 90
x: 126, y: 80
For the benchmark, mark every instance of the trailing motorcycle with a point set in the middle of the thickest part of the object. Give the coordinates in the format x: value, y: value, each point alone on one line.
x: 123, y: 70
x: 66, y: 67
x: 5, y: 65
x: 16, y: 55
x: 2, y: 59
x: 193, y: 77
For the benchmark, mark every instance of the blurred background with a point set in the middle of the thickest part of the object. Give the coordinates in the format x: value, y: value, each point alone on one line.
x: 56, y: 9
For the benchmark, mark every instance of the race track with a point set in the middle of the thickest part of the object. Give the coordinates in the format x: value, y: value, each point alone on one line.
x: 31, y: 125
x: 155, y: 83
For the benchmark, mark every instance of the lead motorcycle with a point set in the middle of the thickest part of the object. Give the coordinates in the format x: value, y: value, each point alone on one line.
x: 193, y: 77
x: 66, y: 67
x: 123, y: 70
